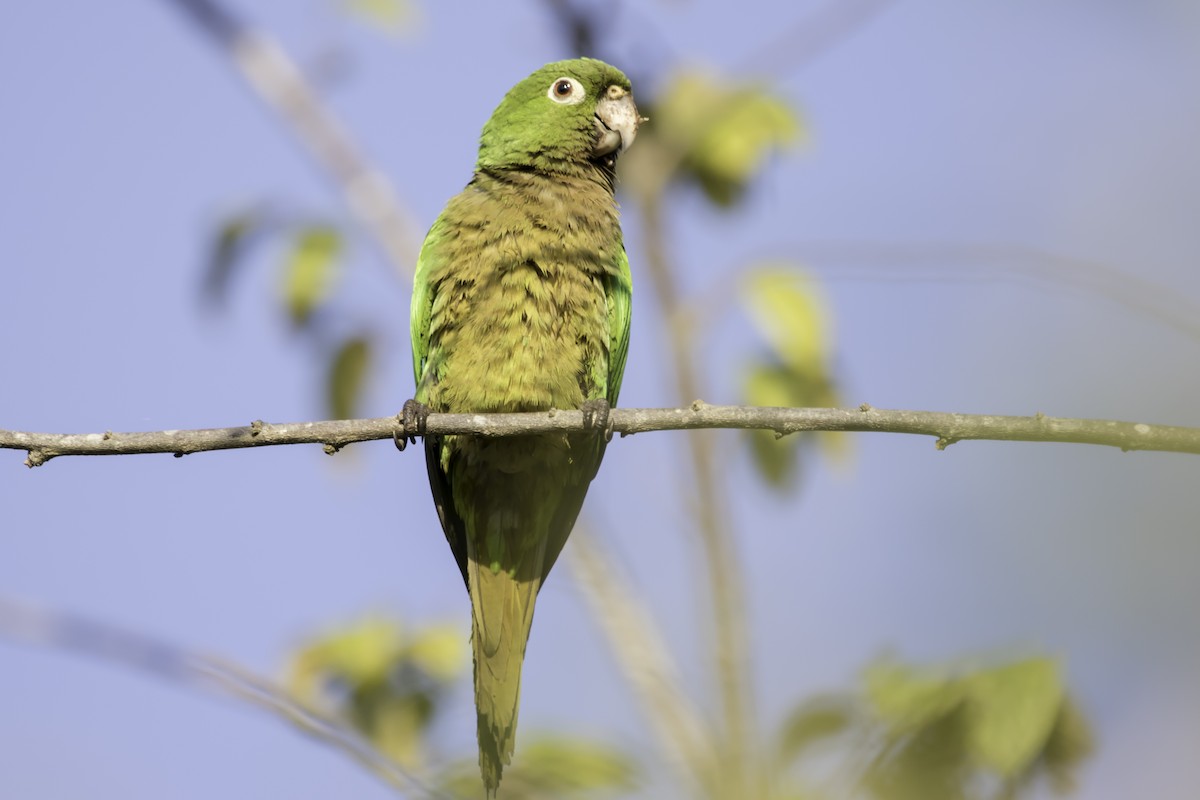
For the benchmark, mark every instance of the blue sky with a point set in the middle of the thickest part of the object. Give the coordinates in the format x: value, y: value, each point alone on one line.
x: 1068, y: 128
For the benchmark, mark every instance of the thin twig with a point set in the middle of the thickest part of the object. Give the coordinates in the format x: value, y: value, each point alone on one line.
x: 644, y: 660
x: 30, y: 625
x: 946, y: 427
x: 958, y: 261
x: 281, y: 85
x: 731, y: 646
x: 811, y: 37
x: 913, y: 262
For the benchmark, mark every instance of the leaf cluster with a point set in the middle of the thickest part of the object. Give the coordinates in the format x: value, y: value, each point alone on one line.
x: 936, y: 734
x: 992, y: 732
x: 392, y: 684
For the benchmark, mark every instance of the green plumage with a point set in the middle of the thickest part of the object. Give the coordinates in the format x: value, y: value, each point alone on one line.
x: 521, y: 303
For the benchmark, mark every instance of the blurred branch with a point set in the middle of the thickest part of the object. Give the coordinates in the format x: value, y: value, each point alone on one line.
x: 644, y: 660
x: 948, y: 428
x: 282, y: 86
x: 578, y: 26
x: 954, y: 261
x: 811, y: 37
x: 731, y: 643
x: 29, y: 625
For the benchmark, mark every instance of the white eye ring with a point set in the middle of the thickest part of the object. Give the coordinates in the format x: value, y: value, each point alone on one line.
x: 565, y: 91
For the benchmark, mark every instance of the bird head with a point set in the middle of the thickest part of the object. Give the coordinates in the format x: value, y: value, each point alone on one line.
x: 564, y: 116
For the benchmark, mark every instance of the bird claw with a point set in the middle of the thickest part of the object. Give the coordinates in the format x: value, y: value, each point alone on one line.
x: 597, y: 418
x: 410, y: 423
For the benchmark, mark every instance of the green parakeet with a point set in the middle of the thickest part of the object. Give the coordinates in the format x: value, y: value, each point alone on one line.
x: 521, y: 302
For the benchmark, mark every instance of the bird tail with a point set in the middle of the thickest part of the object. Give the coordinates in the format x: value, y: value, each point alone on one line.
x: 501, y: 615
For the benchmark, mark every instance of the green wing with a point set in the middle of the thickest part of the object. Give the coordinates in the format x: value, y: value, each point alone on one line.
x: 422, y: 308
x: 620, y: 299
x: 422, y: 304
x: 618, y: 289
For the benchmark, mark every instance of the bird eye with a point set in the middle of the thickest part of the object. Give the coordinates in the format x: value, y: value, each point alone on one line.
x: 565, y: 91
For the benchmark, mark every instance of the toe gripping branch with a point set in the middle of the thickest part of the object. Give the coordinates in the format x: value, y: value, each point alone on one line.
x: 412, y: 420
x: 596, y: 418
x: 410, y: 423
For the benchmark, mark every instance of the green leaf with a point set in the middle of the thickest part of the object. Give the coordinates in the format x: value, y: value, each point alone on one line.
x: 310, y: 270
x: 552, y: 767
x: 767, y: 383
x: 789, y: 310
x: 722, y: 132
x: 1070, y: 742
x: 1000, y: 724
x: 928, y: 763
x: 786, y: 306
x: 347, y: 377
x: 360, y: 654
x: 789, y: 792
x: 440, y: 651
x: 1012, y: 710
x: 776, y: 459
x: 389, y: 685
x: 813, y: 722
x: 559, y: 765
x: 922, y: 754
x: 390, y: 16
x: 233, y: 237
x: 906, y: 700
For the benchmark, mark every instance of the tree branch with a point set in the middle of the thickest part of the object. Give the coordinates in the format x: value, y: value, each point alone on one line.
x: 811, y: 37
x: 731, y: 637
x: 265, y: 66
x: 335, y: 434
x: 948, y: 261
x: 638, y: 646
x: 28, y: 624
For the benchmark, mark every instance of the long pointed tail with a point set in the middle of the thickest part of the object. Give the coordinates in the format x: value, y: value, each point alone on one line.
x: 502, y: 613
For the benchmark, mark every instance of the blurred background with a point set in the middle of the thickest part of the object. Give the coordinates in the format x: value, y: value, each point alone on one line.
x: 985, y: 207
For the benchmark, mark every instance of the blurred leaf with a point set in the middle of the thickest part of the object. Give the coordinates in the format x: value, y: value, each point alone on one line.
x: 1004, y: 725
x: 923, y: 755
x: 391, y: 16
x: 906, y: 700
x: 1070, y: 742
x: 767, y: 384
x: 310, y: 270
x: 360, y: 654
x: 556, y: 765
x: 929, y: 763
x: 347, y: 377
x: 813, y: 722
x: 388, y: 685
x: 1012, y: 711
x: 234, y: 236
x: 786, y: 306
x: 722, y: 133
x: 553, y: 767
x: 440, y: 651
x: 776, y: 458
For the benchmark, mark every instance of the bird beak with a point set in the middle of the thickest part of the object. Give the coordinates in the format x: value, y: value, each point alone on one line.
x: 617, y: 122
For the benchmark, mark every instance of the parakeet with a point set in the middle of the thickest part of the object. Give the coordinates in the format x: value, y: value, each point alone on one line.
x: 521, y: 302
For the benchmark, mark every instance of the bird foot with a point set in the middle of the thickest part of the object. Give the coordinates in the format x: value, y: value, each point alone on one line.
x: 410, y: 423
x: 597, y: 418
